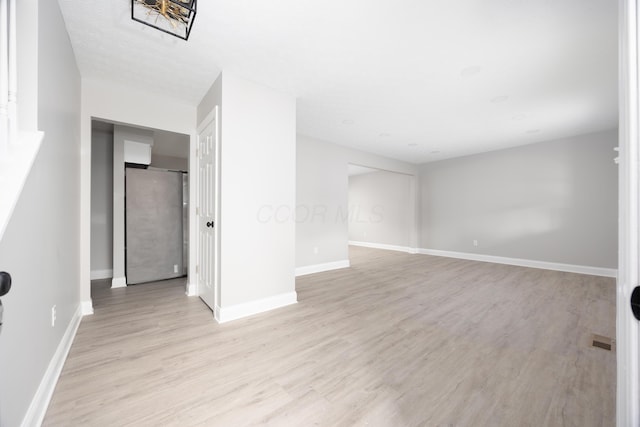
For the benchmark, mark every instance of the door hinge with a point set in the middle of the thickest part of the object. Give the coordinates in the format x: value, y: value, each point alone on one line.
x: 197, y: 210
x: 197, y: 269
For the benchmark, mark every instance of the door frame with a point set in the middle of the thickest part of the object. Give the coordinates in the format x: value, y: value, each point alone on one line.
x: 212, y: 116
x: 628, y: 365
x: 85, y: 211
x: 413, y: 244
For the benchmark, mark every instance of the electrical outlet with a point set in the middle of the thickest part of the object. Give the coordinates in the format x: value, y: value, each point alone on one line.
x: 53, y: 316
x: 175, y: 268
x: 475, y: 243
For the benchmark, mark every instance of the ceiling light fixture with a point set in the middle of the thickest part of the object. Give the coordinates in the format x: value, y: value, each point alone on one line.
x: 173, y: 17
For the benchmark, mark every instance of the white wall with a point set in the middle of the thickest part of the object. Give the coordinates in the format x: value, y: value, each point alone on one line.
x: 322, y: 187
x: 554, y: 201
x: 40, y: 245
x: 258, y: 173
x: 124, y: 105
x: 322, y: 182
x: 379, y: 208
x: 101, y: 203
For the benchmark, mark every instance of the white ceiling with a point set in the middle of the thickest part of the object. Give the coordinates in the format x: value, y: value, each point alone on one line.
x: 415, y: 80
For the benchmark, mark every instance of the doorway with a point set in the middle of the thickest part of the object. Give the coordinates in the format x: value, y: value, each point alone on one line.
x: 381, y: 209
x: 168, y: 154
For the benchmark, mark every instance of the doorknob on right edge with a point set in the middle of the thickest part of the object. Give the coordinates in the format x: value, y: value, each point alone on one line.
x: 5, y: 287
x: 635, y: 302
x: 5, y: 283
x: 210, y: 224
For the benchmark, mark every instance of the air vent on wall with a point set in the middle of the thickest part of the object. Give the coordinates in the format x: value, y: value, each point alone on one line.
x: 602, y: 342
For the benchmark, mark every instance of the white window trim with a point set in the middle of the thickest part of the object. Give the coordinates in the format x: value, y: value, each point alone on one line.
x: 8, y: 71
x: 4, y: 68
x: 18, y: 150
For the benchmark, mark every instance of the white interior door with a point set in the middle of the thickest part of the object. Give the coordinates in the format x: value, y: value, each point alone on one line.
x: 206, y: 209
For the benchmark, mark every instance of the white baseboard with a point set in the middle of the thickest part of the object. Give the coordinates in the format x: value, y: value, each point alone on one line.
x: 86, y: 308
x: 101, y: 274
x: 38, y: 408
x: 569, y: 268
x: 192, y: 289
x: 238, y: 311
x: 384, y: 246
x: 119, y: 282
x: 319, y: 268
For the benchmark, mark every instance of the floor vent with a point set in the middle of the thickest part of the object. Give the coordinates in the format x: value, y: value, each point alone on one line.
x: 605, y: 343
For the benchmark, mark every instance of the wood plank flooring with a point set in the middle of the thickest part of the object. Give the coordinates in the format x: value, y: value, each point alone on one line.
x: 395, y: 340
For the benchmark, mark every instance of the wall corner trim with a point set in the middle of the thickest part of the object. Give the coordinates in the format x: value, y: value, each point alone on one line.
x: 319, y: 268
x: 545, y: 265
x: 192, y: 290
x: 86, y: 308
x: 384, y: 246
x: 119, y: 282
x: 238, y: 311
x: 101, y: 274
x: 40, y: 402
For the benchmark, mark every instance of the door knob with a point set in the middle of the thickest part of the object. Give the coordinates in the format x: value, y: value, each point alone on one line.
x: 210, y: 224
x: 5, y: 283
x: 635, y: 302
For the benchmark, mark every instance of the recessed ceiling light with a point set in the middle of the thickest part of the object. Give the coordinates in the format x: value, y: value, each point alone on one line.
x: 519, y: 117
x: 348, y: 122
x: 435, y: 152
x: 499, y: 99
x: 470, y: 71
x: 413, y: 144
x: 532, y: 131
x: 385, y: 135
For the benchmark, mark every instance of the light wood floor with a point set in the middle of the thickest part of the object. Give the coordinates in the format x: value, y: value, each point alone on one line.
x: 396, y: 340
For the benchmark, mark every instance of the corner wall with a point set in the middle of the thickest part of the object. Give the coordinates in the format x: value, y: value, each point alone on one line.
x: 322, y: 211
x: 553, y: 201
x: 256, y: 179
x: 258, y: 172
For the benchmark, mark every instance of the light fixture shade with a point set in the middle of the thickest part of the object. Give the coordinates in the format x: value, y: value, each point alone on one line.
x: 173, y: 17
